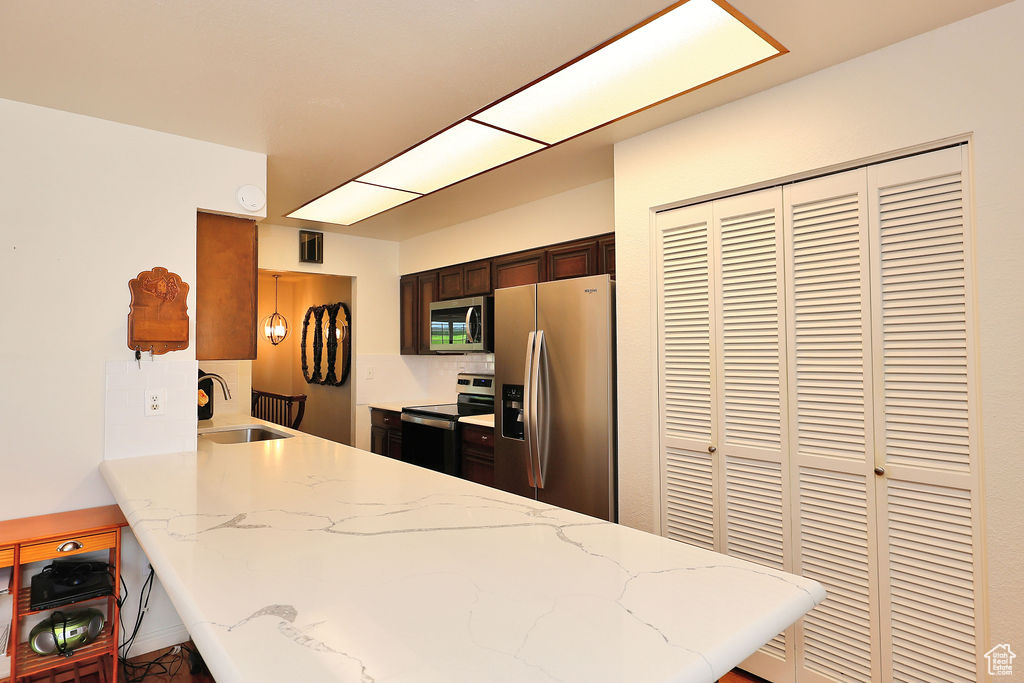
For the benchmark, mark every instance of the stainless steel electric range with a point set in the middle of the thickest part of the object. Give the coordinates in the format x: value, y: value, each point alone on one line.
x: 430, y: 436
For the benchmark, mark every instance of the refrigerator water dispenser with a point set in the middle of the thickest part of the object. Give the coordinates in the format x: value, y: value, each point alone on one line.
x: 512, y: 411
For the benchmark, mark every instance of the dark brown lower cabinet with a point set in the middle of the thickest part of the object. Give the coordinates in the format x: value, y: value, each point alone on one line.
x: 478, y: 454
x: 386, y: 433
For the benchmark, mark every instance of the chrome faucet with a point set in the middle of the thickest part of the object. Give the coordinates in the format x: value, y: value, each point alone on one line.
x: 220, y: 380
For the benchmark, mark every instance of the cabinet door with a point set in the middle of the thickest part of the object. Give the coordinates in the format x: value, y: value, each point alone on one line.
x: 831, y: 433
x: 379, y: 440
x: 526, y: 268
x: 450, y: 283
x: 478, y: 465
x: 409, y: 307
x: 577, y: 259
x: 606, y: 256
x: 926, y: 446
x: 477, y: 278
x: 226, y: 262
x: 395, y: 444
x: 427, y: 284
x: 750, y: 401
x: 687, y: 418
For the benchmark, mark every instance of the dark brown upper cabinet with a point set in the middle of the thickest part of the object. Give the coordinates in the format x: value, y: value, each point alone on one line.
x: 591, y: 256
x: 427, y: 283
x: 606, y: 255
x: 450, y: 283
x: 409, y: 305
x: 477, y: 278
x: 226, y: 262
x: 524, y: 268
x: 576, y: 259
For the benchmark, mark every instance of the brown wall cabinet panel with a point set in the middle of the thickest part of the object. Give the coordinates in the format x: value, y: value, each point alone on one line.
x: 606, y: 255
x: 226, y: 262
x: 450, y: 283
x: 526, y: 268
x: 477, y: 278
x: 409, y: 306
x: 573, y: 260
x: 427, y: 283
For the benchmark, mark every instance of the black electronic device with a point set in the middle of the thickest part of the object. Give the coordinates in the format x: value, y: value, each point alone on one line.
x: 67, y: 581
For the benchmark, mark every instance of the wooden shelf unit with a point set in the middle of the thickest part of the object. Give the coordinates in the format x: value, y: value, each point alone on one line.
x: 43, y: 538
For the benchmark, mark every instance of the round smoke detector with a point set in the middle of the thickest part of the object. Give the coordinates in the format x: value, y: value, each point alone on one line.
x: 251, y: 198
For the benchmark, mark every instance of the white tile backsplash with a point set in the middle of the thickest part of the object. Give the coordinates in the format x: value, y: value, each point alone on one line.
x: 128, y: 431
x: 238, y: 376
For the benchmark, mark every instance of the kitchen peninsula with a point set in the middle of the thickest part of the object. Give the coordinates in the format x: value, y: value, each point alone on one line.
x: 303, y: 559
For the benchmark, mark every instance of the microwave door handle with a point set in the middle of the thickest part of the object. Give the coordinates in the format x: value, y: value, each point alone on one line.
x: 469, y: 325
x: 538, y: 346
x: 527, y: 425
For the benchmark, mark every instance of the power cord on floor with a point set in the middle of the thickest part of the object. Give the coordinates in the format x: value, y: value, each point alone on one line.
x: 167, y: 663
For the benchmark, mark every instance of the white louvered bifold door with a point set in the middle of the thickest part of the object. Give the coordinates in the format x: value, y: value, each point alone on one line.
x: 687, y: 407
x: 830, y: 410
x: 750, y: 440
x: 925, y: 443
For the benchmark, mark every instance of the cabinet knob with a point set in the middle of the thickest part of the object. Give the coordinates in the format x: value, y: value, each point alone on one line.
x: 711, y: 449
x: 879, y: 470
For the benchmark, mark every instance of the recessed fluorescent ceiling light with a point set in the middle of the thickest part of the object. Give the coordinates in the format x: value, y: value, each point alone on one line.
x: 462, y: 151
x: 686, y: 47
x: 690, y: 44
x: 352, y: 202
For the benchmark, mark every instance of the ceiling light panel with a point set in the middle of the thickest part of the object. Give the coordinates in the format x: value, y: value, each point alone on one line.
x: 684, y: 48
x: 461, y: 151
x: 352, y: 202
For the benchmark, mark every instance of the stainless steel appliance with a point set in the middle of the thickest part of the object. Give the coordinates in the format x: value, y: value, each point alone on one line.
x: 461, y: 325
x: 430, y: 435
x: 555, y: 374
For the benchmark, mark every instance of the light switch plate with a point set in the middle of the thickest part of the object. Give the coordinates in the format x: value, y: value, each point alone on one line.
x: 156, y: 400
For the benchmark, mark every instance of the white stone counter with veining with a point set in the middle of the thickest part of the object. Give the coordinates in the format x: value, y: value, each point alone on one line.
x: 304, y: 560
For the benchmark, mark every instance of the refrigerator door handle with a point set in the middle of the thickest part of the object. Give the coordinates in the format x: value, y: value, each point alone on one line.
x: 528, y: 408
x: 535, y: 421
x: 541, y: 406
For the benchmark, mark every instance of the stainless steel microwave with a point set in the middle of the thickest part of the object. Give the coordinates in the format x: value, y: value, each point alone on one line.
x: 462, y: 325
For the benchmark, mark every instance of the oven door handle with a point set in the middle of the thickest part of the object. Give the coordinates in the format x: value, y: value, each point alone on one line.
x: 527, y: 407
x: 448, y: 425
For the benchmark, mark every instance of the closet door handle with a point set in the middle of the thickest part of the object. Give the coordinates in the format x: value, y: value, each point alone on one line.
x: 711, y: 449
x: 879, y: 470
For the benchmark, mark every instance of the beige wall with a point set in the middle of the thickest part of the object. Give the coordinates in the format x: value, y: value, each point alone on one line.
x: 963, y: 78
x: 580, y: 212
x: 85, y: 205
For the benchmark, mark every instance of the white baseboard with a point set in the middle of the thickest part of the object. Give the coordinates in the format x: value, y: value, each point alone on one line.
x: 158, y: 639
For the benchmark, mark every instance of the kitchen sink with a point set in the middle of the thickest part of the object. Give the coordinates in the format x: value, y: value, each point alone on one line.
x: 243, y: 435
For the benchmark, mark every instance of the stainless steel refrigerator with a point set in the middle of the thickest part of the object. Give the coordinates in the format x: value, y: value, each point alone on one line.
x: 554, y: 371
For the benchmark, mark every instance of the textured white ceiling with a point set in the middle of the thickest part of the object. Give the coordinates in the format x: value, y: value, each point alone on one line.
x: 330, y: 88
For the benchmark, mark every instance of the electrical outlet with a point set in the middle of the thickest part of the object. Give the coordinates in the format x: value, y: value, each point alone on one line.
x: 370, y: 372
x: 156, y: 399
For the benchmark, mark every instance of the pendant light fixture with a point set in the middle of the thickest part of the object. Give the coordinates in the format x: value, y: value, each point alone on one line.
x: 275, y: 326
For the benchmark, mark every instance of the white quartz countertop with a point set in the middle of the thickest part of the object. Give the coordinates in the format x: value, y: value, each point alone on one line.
x: 304, y: 560
x: 479, y: 420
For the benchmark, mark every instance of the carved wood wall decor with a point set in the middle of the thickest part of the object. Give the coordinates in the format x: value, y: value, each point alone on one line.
x: 332, y: 330
x: 158, y: 312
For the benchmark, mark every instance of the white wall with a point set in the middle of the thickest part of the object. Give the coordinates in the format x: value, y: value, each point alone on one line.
x: 959, y: 79
x: 85, y: 205
x: 576, y: 213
